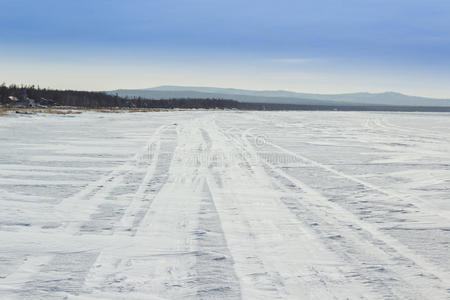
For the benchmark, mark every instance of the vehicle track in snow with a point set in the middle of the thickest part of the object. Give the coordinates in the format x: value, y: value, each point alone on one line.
x: 425, y: 271
x: 373, y: 268
x: 100, y: 210
x: 186, y: 254
x: 233, y: 205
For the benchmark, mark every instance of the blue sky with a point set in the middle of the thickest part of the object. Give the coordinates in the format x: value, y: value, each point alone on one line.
x: 325, y: 46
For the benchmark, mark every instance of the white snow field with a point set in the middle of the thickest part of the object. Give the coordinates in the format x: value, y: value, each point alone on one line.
x: 225, y: 205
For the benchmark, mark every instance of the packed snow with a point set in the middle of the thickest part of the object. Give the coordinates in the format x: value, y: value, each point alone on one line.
x: 225, y: 205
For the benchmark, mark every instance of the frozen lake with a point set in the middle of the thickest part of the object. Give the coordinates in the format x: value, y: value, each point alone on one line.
x: 225, y: 205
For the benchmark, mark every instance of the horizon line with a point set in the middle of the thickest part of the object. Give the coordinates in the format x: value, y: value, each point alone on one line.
x: 230, y: 88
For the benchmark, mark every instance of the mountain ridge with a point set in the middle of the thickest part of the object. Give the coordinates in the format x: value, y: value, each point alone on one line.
x: 282, y: 96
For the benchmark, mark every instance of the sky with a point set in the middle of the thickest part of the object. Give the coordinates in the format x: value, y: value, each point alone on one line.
x: 320, y: 46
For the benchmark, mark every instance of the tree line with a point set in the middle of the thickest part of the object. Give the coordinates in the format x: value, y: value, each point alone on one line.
x: 53, y: 97
x: 15, y: 94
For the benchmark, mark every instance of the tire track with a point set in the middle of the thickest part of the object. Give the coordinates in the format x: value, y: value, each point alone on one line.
x: 65, y: 273
x: 106, y: 268
x: 272, y: 234
x: 381, y: 276
x: 403, y: 264
x: 216, y: 278
x: 90, y: 198
x: 406, y: 200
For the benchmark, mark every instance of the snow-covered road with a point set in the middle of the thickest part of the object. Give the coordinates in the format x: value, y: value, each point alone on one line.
x: 225, y: 205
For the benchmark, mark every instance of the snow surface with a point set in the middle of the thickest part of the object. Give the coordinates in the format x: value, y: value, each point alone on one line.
x: 225, y: 205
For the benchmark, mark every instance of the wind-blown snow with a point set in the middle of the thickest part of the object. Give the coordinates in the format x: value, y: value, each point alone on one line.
x: 225, y: 205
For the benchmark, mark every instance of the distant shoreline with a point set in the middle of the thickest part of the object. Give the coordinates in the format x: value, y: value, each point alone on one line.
x: 22, y: 97
x: 67, y: 110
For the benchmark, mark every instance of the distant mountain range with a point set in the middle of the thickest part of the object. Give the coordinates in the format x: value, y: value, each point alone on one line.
x: 281, y: 97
